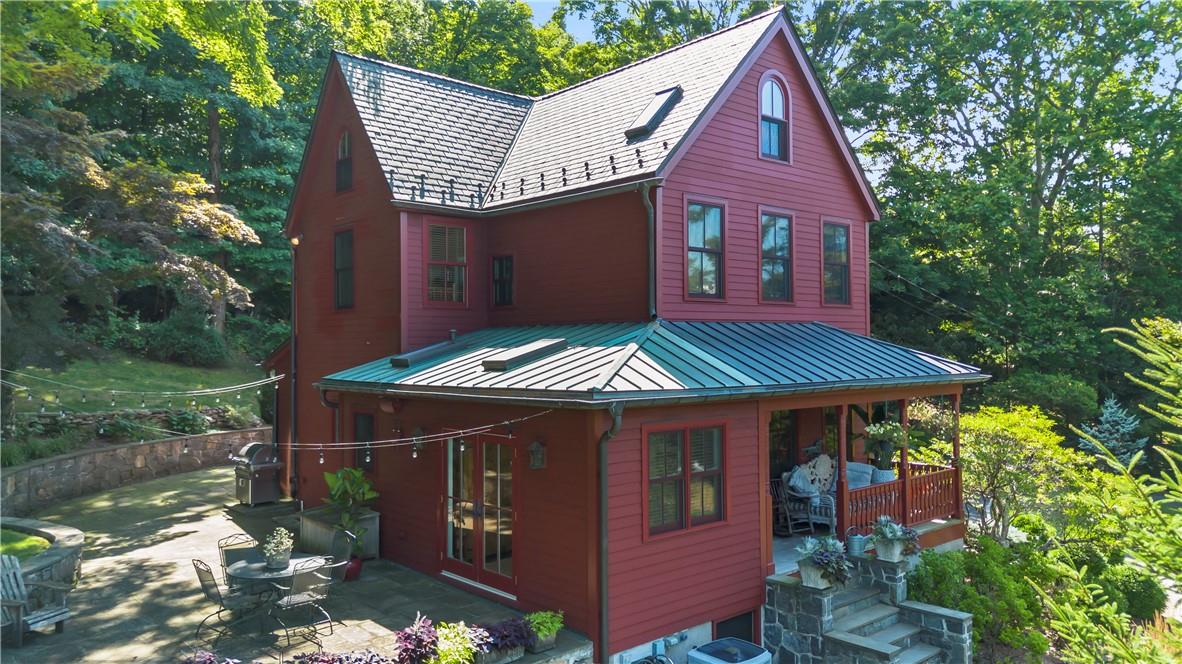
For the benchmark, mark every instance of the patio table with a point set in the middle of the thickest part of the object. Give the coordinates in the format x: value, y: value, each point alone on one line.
x: 253, y: 571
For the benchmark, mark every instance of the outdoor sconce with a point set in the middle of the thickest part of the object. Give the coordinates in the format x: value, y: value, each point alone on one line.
x: 537, y: 455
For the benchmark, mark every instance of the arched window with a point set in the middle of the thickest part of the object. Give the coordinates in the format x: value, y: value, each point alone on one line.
x: 344, y: 163
x: 773, y: 121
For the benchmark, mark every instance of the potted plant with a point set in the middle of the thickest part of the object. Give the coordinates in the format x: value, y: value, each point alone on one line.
x: 456, y: 644
x: 882, y: 441
x: 346, y: 509
x: 893, y: 541
x: 823, y: 562
x: 544, y: 626
x: 506, y: 642
x: 277, y: 548
x: 417, y: 643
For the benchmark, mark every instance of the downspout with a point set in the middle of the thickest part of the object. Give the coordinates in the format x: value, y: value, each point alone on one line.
x: 652, y: 249
x: 616, y: 410
x: 294, y: 478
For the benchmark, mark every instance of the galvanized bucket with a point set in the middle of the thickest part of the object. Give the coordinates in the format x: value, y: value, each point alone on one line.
x: 855, y: 544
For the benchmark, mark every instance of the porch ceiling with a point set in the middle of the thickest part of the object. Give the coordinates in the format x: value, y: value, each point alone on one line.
x: 658, y: 361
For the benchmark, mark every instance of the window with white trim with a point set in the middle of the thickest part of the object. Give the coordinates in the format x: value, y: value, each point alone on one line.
x: 773, y: 121
x: 447, y: 263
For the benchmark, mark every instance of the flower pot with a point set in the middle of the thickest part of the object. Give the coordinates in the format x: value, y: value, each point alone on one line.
x: 353, y: 569
x: 878, y: 475
x: 542, y: 645
x: 278, y: 560
x: 811, y: 577
x: 500, y: 656
x: 890, y: 550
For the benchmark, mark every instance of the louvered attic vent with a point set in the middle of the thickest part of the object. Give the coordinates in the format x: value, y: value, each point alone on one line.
x: 657, y: 109
x: 516, y: 357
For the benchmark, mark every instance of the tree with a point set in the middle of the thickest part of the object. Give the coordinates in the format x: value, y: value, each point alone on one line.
x: 1115, y: 429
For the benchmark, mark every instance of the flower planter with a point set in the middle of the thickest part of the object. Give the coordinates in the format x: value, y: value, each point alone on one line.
x: 878, y: 475
x: 811, y: 577
x: 353, y: 569
x: 318, y: 529
x: 278, y: 560
x: 890, y: 550
x: 542, y: 645
x: 500, y: 656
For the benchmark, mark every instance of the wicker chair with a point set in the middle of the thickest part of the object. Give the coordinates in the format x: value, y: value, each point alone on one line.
x: 233, y: 608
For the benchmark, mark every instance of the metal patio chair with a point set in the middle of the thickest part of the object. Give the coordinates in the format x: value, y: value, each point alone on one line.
x: 233, y: 608
x: 234, y: 548
x: 299, y: 607
x: 19, y: 598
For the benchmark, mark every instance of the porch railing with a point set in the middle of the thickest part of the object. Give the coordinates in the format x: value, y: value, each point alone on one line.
x: 867, y: 503
x: 931, y: 494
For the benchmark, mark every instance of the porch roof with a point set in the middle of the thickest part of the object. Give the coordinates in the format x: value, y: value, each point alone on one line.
x: 658, y: 361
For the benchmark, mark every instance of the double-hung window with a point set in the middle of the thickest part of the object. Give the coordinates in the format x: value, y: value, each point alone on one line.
x: 502, y: 281
x: 684, y: 473
x: 363, y: 432
x: 342, y: 266
x: 704, y: 254
x: 837, y: 264
x: 775, y: 267
x: 773, y: 121
x: 344, y: 162
x: 447, y: 264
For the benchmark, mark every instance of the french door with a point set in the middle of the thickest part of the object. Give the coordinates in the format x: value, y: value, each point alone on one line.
x: 478, y: 512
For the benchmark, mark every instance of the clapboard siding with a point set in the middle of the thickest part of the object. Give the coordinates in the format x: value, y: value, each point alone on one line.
x: 430, y: 322
x: 668, y: 583
x: 332, y: 339
x: 723, y: 163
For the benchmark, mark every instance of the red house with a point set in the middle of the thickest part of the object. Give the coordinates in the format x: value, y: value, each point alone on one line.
x: 576, y: 339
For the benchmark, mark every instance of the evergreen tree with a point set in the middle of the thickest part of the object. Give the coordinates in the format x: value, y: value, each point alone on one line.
x: 1116, y: 429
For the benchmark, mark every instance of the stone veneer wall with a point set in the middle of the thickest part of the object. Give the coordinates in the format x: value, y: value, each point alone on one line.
x: 60, y: 563
x: 26, y: 488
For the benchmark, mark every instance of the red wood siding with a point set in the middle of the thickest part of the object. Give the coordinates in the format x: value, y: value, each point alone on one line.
x: 678, y: 580
x: 331, y: 339
x: 554, y: 553
x: 583, y: 262
x: 428, y: 322
x: 723, y: 163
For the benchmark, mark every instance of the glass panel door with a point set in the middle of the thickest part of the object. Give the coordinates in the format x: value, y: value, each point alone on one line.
x: 498, y: 509
x: 478, y: 506
x: 460, y: 504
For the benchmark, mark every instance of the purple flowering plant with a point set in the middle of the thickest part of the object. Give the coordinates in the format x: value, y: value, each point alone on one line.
x: 828, y: 554
x: 508, y: 634
x: 416, y: 644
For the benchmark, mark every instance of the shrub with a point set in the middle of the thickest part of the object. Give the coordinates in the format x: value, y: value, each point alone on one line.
x: 1036, y: 528
x: 266, y: 399
x: 416, y: 644
x: 509, y: 634
x: 240, y: 418
x: 1135, y: 591
x: 255, y: 337
x: 989, y: 582
x: 118, y: 428
x: 117, y: 332
x: 186, y: 338
x: 188, y: 421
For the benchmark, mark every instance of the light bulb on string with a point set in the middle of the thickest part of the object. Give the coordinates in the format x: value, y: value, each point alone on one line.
x: 102, y: 430
x: 322, y: 456
x: 42, y: 409
x: 461, y: 445
x: 143, y: 402
x: 185, y: 449
x: 29, y: 395
x: 170, y: 404
x: 112, y: 401
x: 217, y: 400
x: 368, y: 457
x: 83, y: 397
x: 259, y: 392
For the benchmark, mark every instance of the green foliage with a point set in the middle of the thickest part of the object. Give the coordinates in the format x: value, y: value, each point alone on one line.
x: 1062, y: 396
x: 1116, y: 429
x: 253, y: 337
x: 186, y: 338
x: 882, y: 440
x: 349, y: 491
x: 1135, y: 591
x: 188, y: 421
x: 988, y: 581
x: 1158, y: 342
x: 545, y: 623
x: 119, y: 428
x: 20, y: 544
x: 241, y: 417
x: 266, y: 405
x: 454, y: 645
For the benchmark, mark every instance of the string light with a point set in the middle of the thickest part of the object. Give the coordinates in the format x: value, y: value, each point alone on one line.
x: 461, y: 446
x: 143, y: 402
x: 185, y: 449
x: 29, y: 396
x: 112, y: 401
x: 83, y: 397
x: 368, y: 457
x: 321, y: 455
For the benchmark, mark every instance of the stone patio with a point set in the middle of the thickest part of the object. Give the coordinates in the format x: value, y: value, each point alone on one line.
x: 139, y: 599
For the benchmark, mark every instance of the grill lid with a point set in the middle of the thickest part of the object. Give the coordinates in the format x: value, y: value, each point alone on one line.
x: 253, y: 453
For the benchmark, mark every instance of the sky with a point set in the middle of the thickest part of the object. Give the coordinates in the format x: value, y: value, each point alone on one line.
x: 581, y: 30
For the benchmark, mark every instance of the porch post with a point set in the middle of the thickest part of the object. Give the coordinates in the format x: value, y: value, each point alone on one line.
x: 905, y: 465
x: 959, y: 513
x: 843, y: 485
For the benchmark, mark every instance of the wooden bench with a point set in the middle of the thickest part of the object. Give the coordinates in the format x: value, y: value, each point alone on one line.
x: 14, y: 601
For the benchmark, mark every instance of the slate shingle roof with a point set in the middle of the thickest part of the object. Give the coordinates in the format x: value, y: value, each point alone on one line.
x: 435, y: 135
x: 659, y: 361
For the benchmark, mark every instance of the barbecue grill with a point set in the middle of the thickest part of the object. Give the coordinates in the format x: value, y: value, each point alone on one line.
x: 256, y: 474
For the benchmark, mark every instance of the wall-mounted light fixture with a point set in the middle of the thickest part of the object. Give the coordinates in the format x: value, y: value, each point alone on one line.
x: 537, y: 455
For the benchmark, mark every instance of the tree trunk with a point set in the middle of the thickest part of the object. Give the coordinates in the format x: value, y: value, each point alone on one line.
x: 214, y: 126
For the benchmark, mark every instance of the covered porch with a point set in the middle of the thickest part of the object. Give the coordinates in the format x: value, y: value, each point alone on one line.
x: 796, y: 433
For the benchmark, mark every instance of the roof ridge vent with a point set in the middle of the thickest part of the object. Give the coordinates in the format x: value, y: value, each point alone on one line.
x: 656, y: 110
x: 515, y: 357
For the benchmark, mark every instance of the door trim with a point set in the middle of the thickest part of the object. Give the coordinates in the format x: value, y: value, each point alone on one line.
x: 478, y: 585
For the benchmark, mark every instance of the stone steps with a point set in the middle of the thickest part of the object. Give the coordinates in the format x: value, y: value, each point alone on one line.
x: 852, y: 601
x: 898, y: 634
x: 917, y: 654
x: 868, y: 620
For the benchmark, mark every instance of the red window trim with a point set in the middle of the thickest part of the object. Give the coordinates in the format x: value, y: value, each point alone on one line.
x: 690, y: 199
x: 792, y: 215
x: 779, y: 78
x: 849, y: 267
x: 685, y: 427
x: 427, y: 223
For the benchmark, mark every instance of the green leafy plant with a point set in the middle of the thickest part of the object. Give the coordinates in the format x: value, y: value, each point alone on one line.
x: 185, y: 337
x: 119, y: 428
x: 188, y: 421
x: 883, y: 440
x: 544, y: 624
x: 828, y: 554
x: 350, y: 491
x: 279, y: 543
x: 454, y: 645
x: 886, y: 530
x: 1137, y: 592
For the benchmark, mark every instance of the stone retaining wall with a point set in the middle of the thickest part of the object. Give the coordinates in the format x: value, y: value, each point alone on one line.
x: 60, y: 563
x: 27, y: 488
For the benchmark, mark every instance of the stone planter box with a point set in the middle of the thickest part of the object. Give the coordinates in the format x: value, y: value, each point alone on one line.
x: 810, y: 576
x: 318, y: 531
x: 890, y: 550
x: 500, y: 656
x: 542, y: 645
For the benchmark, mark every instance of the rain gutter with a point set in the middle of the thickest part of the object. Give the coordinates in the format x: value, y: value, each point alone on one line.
x: 596, y: 192
x: 336, y: 415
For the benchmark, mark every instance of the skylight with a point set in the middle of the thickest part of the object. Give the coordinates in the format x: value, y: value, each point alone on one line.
x: 515, y: 357
x: 652, y: 114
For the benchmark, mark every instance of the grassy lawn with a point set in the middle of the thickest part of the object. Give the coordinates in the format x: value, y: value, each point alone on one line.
x: 21, y: 545
x: 123, y: 372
